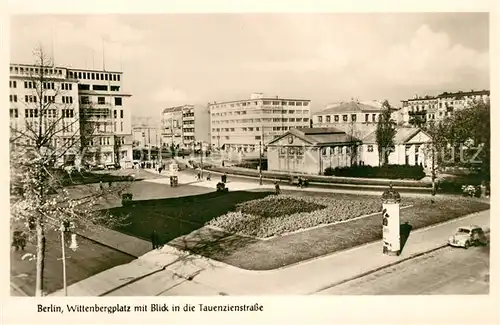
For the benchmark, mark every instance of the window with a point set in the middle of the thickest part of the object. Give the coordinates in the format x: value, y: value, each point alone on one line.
x: 328, y: 119
x: 114, y: 113
x: 367, y: 116
x: 320, y: 119
x: 101, y: 100
x: 106, y: 76
x: 83, y: 87
x: 370, y: 148
x: 121, y: 113
x: 353, y: 117
x: 118, y: 101
x: 291, y: 103
x: 79, y: 75
x: 121, y: 126
x: 114, y: 77
x: 115, y: 88
x: 14, y: 113
x: 257, y: 137
x: 344, y: 118
x: 100, y: 87
x: 336, y: 118
x: 374, y: 117
x: 118, y: 77
x: 93, y: 76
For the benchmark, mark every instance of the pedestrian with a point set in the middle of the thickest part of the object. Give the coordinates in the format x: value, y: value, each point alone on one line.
x: 199, y: 176
x: 159, y: 170
x: 300, y: 182
x: 101, y: 186
x: 208, y: 177
x: 110, y: 183
x: 153, y: 239
x: 277, y: 189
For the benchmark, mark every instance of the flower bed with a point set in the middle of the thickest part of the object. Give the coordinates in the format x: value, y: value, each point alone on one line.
x: 276, y: 215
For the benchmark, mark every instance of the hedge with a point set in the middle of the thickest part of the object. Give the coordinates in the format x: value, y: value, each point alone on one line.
x: 389, y: 172
x: 252, y: 164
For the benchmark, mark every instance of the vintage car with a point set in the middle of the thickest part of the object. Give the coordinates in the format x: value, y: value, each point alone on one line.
x: 468, y: 236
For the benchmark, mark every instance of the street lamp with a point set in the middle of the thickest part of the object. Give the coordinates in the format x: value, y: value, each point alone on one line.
x: 65, y: 226
x: 260, y: 162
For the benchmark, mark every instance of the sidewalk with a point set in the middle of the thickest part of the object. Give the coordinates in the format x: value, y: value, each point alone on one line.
x: 174, y: 269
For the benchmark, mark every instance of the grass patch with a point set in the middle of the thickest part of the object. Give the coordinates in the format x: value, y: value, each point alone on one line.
x: 276, y: 215
x: 174, y: 217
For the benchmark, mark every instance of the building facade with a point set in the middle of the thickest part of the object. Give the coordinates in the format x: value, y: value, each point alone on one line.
x: 420, y: 110
x: 89, y: 105
x: 244, y: 125
x: 353, y: 117
x: 185, y: 125
x: 313, y: 150
x: 144, y: 136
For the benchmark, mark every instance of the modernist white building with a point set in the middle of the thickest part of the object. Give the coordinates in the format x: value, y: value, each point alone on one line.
x: 243, y: 125
x: 76, y: 95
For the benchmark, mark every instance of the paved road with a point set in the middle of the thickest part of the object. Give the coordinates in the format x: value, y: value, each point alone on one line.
x: 446, y: 271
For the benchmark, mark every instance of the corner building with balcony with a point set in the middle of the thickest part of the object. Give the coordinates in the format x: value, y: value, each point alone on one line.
x: 103, y: 102
x: 71, y: 97
x: 243, y: 125
x: 184, y: 126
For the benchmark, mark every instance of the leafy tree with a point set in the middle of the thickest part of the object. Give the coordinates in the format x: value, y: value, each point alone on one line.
x: 51, y: 132
x: 386, y: 130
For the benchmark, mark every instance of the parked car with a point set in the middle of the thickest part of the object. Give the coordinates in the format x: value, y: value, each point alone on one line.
x: 112, y: 166
x: 468, y: 236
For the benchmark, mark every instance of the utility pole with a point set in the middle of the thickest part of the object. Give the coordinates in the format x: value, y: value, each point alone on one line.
x: 260, y: 162
x: 63, y: 250
x: 201, y: 148
x: 433, y: 172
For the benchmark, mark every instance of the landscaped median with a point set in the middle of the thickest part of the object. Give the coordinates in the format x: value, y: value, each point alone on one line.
x: 296, y: 226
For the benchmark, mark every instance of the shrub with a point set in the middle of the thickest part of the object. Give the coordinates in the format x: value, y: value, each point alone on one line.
x: 329, y: 171
x: 389, y: 171
x: 252, y: 164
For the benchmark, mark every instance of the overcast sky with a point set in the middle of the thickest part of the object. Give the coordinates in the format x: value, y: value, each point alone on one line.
x: 176, y: 59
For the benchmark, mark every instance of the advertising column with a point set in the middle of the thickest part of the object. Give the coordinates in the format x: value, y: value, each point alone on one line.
x: 390, y: 222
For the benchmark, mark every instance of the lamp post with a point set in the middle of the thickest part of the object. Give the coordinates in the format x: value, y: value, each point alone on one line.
x: 65, y: 225
x: 260, y: 162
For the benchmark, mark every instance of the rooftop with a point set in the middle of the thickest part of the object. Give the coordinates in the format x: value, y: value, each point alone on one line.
x: 350, y: 106
x: 403, y: 134
x: 320, y: 136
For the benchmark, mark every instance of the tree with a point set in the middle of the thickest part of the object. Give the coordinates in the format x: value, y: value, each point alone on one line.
x: 53, y: 132
x: 417, y: 120
x: 386, y: 130
x: 353, y: 142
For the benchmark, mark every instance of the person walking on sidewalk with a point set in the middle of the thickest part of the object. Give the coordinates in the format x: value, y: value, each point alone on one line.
x: 208, y: 177
x: 277, y: 189
x: 154, y: 239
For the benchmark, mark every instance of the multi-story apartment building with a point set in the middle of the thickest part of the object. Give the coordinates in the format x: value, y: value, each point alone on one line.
x: 184, y: 125
x: 419, y: 110
x: 78, y: 97
x: 33, y: 90
x: 244, y: 124
x: 353, y: 117
x: 145, y: 136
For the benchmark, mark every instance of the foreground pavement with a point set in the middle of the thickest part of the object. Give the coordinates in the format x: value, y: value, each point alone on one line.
x: 168, y: 271
x: 449, y: 270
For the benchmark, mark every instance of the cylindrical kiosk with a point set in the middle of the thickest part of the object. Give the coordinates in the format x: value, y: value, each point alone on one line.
x: 390, y: 222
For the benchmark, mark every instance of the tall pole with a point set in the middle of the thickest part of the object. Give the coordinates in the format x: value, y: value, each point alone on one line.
x: 433, y: 173
x: 260, y: 162
x: 201, y: 147
x: 63, y: 250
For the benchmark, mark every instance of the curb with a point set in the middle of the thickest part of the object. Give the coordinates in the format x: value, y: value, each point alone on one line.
x: 380, y: 268
x: 105, y: 245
